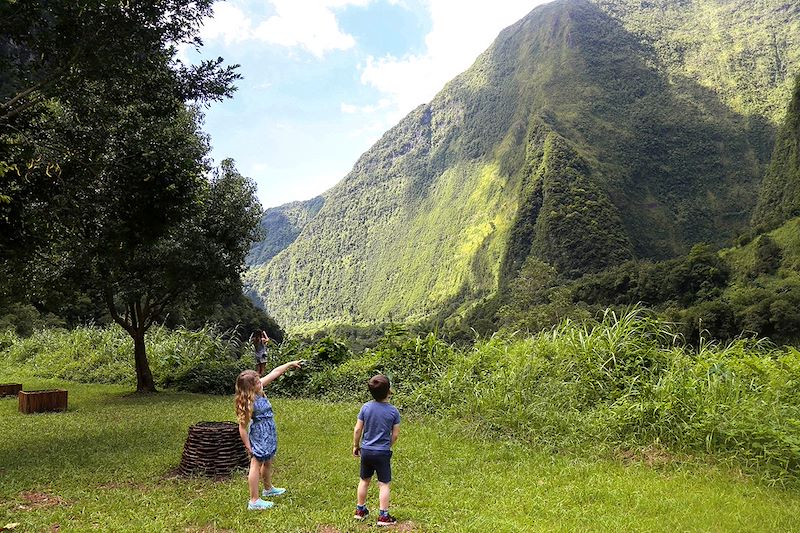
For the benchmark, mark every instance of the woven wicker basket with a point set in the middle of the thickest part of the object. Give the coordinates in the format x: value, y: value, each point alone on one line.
x: 213, y: 449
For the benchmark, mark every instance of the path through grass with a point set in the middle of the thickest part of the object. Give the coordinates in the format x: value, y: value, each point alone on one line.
x: 104, y: 465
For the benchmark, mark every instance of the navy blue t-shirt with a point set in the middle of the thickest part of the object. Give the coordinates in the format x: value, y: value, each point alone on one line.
x: 379, y: 419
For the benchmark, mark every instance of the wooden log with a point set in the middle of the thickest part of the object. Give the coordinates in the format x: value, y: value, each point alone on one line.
x: 40, y: 401
x: 213, y: 449
x: 10, y: 389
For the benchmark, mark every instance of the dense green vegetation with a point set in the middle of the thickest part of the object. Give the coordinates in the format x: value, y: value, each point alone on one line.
x: 559, y: 219
x: 109, y: 209
x: 750, y: 289
x: 204, y: 360
x: 106, y: 464
x: 628, y: 382
x: 779, y: 196
x: 280, y: 226
x: 589, y: 133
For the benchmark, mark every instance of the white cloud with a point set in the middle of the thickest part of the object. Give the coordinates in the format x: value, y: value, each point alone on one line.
x: 460, y: 31
x: 228, y: 24
x: 306, y: 24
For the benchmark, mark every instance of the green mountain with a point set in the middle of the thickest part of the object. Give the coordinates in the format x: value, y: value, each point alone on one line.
x: 589, y: 133
x: 280, y: 226
x: 779, y: 198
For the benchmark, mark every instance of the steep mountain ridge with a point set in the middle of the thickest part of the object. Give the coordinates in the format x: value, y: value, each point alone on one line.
x: 583, y: 136
x: 779, y: 198
x: 280, y: 226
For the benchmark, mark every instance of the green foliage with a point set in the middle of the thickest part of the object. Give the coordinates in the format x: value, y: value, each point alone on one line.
x: 104, y: 185
x: 334, y: 373
x: 577, y: 230
x: 627, y: 380
x: 24, y: 319
x: 280, y: 226
x: 195, y: 361
x: 739, y: 399
x: 232, y: 312
x: 90, y: 88
x: 588, y: 134
x: 767, y: 257
x: 779, y: 195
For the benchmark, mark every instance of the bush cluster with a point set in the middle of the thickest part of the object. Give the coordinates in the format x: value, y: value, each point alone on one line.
x: 623, y: 381
x: 195, y: 361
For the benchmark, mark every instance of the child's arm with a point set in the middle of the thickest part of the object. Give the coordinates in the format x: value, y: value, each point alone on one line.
x: 395, y: 433
x: 357, y: 431
x: 245, y: 437
x: 279, y: 371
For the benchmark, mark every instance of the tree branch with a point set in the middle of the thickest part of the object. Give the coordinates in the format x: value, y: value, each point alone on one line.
x: 16, y: 111
x: 109, y: 299
x: 160, y: 305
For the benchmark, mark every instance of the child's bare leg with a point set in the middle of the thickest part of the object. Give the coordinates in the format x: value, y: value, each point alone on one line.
x: 383, y: 496
x: 361, y: 493
x: 252, y: 478
x: 266, y: 474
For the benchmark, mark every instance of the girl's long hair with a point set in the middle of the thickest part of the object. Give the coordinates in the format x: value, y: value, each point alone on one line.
x: 245, y: 395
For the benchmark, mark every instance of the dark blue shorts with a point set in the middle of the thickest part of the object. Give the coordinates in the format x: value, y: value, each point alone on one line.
x: 373, y: 461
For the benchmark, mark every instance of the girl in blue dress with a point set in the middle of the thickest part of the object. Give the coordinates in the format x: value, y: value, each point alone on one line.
x: 257, y: 429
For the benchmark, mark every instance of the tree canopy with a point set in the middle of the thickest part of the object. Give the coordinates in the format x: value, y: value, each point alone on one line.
x: 104, y: 177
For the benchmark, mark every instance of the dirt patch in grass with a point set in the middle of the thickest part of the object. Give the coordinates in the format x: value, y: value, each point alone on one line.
x: 652, y: 455
x: 39, y: 500
x: 328, y: 529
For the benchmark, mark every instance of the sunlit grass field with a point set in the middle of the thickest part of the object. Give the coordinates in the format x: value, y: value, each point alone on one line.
x: 107, y: 465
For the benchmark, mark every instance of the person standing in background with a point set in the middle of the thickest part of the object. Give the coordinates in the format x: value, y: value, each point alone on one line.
x: 260, y: 339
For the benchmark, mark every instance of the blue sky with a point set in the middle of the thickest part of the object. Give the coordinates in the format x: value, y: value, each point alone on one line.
x: 324, y: 79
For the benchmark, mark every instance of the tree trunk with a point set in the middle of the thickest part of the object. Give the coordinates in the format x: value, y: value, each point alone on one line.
x: 144, y: 379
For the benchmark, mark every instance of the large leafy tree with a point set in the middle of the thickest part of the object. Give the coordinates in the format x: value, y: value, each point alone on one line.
x: 103, y: 171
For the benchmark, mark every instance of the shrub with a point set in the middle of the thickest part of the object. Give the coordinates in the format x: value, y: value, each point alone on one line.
x: 196, y: 361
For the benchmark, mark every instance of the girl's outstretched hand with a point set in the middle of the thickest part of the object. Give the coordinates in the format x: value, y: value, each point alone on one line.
x: 297, y: 364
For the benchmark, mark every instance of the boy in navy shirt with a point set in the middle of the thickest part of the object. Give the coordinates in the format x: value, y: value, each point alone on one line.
x: 379, y: 425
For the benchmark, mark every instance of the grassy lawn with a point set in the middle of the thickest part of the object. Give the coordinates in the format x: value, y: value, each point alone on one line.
x: 105, y: 465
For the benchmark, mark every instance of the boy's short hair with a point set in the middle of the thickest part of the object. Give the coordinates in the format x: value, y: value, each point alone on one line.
x: 379, y: 387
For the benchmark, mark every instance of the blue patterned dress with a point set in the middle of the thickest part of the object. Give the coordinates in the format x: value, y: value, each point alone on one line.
x: 263, y: 435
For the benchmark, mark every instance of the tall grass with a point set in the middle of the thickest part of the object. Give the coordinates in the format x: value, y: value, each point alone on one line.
x: 624, y: 381
x: 621, y: 382
x: 197, y: 361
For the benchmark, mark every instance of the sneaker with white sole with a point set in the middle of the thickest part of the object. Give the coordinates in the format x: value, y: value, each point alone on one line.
x: 274, y: 491
x: 259, y: 505
x: 360, y: 515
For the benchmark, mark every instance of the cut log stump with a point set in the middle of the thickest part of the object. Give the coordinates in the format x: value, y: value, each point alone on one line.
x: 10, y: 389
x: 213, y: 449
x: 40, y: 401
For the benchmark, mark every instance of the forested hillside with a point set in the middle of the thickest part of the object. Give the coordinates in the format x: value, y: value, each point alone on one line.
x: 280, y: 226
x: 779, y: 199
x: 589, y: 133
